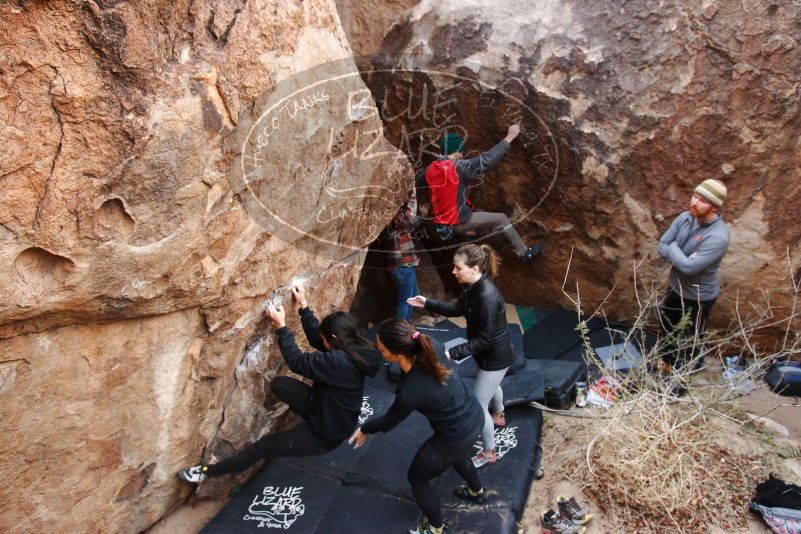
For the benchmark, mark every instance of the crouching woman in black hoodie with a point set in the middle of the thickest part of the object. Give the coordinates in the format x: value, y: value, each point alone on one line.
x: 330, y: 407
x: 450, y: 407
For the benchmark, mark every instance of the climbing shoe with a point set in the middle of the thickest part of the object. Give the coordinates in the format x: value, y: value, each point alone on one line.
x: 531, y: 253
x: 553, y: 523
x: 192, y: 475
x: 571, y: 509
x: 481, y: 459
x: 464, y: 492
x: 424, y: 527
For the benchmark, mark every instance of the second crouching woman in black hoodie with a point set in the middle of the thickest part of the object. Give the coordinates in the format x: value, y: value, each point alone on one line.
x: 330, y: 407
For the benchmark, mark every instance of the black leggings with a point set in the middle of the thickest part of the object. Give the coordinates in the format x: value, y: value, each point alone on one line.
x: 672, y: 310
x: 297, y: 441
x: 433, y: 458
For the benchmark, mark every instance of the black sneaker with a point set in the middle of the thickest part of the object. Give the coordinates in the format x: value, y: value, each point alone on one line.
x: 423, y: 527
x: 571, y: 509
x: 531, y: 252
x: 464, y: 492
x: 553, y: 523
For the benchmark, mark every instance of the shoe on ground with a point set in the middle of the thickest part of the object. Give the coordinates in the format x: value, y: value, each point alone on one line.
x: 664, y: 367
x: 531, y: 253
x: 573, y: 510
x: 464, y: 492
x: 553, y: 523
x: 192, y: 475
x: 424, y: 527
x: 499, y: 420
x: 481, y: 459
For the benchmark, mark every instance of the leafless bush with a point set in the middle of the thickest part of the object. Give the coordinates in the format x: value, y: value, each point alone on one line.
x: 656, y: 464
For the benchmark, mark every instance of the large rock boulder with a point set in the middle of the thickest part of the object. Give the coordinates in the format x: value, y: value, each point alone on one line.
x: 145, y: 214
x: 366, y: 24
x: 625, y: 108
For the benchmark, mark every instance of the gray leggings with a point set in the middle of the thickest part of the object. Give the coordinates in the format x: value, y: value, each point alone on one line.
x: 488, y: 388
x: 486, y: 221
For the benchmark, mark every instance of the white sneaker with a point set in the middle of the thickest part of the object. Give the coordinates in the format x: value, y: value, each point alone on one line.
x: 192, y: 475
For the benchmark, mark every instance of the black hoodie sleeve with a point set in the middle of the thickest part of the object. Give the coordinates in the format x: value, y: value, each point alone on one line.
x: 396, y: 413
x: 322, y: 367
x: 311, y: 327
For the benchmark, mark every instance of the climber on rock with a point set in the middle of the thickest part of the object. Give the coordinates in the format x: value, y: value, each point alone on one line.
x: 694, y: 245
x: 449, y: 180
x: 329, y: 408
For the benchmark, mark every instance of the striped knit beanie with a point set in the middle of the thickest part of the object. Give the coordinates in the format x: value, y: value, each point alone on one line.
x: 713, y: 191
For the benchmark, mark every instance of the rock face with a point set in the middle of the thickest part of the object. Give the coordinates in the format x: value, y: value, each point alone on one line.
x: 366, y: 24
x: 624, y: 110
x: 140, y: 232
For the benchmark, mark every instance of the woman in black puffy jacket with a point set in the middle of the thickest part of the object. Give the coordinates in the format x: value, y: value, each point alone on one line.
x: 488, y: 342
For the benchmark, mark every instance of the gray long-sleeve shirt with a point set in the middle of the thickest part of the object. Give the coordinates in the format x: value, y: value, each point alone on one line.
x: 695, y: 251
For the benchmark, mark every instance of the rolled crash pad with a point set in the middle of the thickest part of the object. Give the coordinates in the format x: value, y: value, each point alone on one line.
x: 560, y: 377
x: 522, y: 387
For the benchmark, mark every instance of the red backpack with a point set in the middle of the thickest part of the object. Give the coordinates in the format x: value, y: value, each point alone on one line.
x: 443, y: 184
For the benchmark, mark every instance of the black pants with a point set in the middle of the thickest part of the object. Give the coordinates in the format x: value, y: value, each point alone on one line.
x: 297, y: 441
x: 684, y: 348
x: 432, y: 459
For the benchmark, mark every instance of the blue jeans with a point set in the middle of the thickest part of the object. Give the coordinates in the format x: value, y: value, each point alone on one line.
x: 405, y: 287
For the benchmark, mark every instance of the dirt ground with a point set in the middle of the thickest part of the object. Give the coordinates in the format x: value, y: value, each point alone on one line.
x: 188, y: 518
x: 778, y: 429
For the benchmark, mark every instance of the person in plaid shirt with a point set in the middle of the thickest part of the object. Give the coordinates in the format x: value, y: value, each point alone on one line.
x: 401, y: 257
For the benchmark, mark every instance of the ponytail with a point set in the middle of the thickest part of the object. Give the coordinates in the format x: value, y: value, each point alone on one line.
x: 400, y: 337
x: 342, y: 333
x: 482, y: 256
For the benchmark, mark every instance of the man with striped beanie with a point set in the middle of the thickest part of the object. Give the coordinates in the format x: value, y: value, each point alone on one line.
x: 694, y: 245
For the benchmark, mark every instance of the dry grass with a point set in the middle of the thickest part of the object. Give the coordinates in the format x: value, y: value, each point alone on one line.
x: 659, y: 468
x: 658, y: 464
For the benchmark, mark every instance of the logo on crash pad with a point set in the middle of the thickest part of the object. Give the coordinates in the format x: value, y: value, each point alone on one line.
x: 276, y: 507
x: 367, y: 410
x: 505, y: 441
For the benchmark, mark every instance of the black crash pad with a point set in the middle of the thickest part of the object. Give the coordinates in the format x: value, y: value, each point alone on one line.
x: 556, y: 337
x: 520, y: 388
x: 552, y: 336
x: 560, y: 377
x: 365, y: 490
x: 445, y: 331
